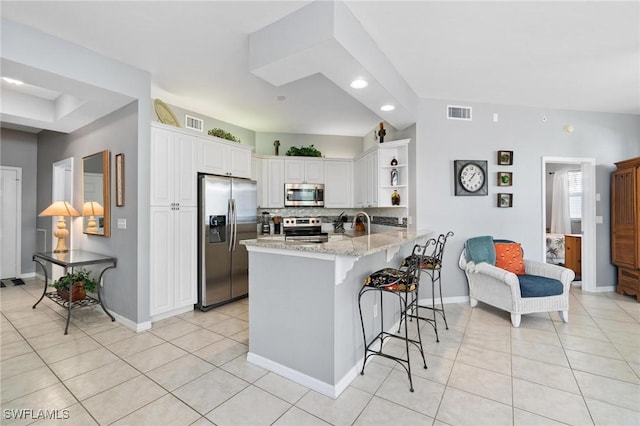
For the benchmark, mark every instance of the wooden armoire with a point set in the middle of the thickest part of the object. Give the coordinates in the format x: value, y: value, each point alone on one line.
x: 625, y: 229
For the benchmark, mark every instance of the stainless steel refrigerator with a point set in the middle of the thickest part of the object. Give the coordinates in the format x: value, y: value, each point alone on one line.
x: 226, y: 214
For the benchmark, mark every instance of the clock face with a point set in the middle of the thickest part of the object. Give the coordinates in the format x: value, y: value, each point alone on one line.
x: 470, y: 177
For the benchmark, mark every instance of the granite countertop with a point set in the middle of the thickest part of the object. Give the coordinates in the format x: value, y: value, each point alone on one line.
x: 343, y: 244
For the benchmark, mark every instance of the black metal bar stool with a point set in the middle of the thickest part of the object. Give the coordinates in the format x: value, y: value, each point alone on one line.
x: 403, y: 283
x: 431, y: 265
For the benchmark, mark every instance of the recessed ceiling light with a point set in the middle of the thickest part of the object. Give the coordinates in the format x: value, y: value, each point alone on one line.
x: 359, y: 83
x: 12, y: 81
x: 387, y: 108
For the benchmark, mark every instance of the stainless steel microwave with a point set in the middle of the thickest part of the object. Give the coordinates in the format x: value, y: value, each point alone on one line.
x: 303, y: 195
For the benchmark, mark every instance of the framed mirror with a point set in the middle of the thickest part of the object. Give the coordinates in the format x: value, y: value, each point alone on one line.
x: 96, y: 212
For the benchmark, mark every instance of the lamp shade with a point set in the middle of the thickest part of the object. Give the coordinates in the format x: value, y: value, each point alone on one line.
x: 92, y: 208
x: 60, y: 208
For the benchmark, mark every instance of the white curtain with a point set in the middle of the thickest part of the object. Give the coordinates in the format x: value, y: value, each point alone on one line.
x: 560, y: 220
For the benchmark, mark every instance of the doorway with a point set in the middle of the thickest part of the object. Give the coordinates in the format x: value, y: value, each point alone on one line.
x: 11, y: 221
x: 586, y: 228
x: 62, y: 189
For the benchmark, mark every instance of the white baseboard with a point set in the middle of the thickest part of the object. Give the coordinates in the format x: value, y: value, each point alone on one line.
x: 294, y: 375
x: 606, y: 289
x: 137, y: 327
x: 155, y: 318
x: 445, y: 300
x: 29, y: 275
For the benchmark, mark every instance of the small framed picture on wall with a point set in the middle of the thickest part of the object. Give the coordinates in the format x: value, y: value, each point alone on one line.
x: 505, y: 178
x: 505, y: 158
x: 120, y: 180
x: 505, y: 200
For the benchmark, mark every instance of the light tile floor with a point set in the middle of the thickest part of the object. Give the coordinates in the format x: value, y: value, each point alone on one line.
x: 191, y: 369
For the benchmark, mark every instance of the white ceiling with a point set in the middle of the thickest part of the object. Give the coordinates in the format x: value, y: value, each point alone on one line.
x: 564, y: 55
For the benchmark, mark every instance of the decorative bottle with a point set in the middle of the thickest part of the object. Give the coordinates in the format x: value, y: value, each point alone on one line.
x: 394, y: 177
x: 395, y: 198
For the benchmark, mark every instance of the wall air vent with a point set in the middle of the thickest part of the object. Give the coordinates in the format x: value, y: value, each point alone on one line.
x: 193, y: 123
x: 457, y: 112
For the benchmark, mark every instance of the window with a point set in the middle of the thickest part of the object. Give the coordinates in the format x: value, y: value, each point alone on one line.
x: 575, y: 194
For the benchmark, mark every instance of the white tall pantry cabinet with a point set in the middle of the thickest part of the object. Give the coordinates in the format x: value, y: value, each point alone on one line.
x: 173, y: 252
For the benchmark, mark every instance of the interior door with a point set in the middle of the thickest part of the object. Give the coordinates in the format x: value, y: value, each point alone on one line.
x: 10, y: 221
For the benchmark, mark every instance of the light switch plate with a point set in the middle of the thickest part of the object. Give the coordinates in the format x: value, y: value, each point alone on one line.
x: 598, y: 219
x: 122, y: 223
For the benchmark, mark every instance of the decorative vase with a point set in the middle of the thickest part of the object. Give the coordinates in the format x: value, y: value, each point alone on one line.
x: 77, y: 292
x: 394, y: 162
x: 394, y: 177
x: 395, y: 198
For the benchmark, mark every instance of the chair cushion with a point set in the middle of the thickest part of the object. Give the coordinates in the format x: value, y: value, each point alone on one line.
x: 509, y: 257
x: 537, y: 286
x: 480, y: 249
x: 390, y: 279
x: 429, y: 262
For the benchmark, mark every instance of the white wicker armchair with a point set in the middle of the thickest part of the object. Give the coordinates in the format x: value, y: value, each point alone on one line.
x: 501, y: 288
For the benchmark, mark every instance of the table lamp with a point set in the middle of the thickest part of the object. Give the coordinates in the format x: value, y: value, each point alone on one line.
x: 92, y: 209
x: 61, y: 209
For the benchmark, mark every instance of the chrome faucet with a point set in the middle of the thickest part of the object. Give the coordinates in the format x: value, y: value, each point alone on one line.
x: 368, y: 221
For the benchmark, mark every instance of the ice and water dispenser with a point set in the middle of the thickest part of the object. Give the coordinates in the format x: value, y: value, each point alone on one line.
x: 217, y: 229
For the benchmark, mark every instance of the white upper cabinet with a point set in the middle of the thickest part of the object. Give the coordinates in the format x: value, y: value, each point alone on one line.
x: 303, y: 170
x: 219, y: 157
x: 270, y: 179
x: 338, y: 183
x: 173, y: 175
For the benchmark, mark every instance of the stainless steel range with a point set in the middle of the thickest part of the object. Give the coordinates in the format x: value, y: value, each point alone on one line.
x: 304, y: 229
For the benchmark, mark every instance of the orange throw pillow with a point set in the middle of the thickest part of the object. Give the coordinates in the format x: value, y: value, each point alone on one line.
x: 509, y: 257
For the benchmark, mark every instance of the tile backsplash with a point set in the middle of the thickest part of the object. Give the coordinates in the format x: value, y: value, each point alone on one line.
x: 379, y: 216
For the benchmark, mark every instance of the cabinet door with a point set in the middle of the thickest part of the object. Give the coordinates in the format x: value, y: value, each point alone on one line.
x: 573, y: 253
x: 275, y: 180
x: 294, y: 171
x: 371, y: 164
x: 338, y: 184
x: 162, y: 169
x: 212, y: 157
x: 624, y: 232
x: 185, y: 175
x: 185, y: 257
x: 314, y: 171
x: 161, y: 261
x: 239, y: 162
x: 359, y: 182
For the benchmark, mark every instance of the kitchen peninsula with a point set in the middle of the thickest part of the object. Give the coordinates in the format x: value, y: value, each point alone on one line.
x: 304, y: 320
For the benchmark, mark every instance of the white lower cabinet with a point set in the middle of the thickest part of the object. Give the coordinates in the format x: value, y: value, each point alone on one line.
x: 338, y: 183
x: 173, y: 257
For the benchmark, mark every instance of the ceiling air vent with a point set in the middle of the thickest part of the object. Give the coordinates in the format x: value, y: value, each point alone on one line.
x: 193, y: 123
x: 456, y: 112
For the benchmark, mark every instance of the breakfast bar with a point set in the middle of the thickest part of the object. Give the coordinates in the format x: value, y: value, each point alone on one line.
x: 304, y: 320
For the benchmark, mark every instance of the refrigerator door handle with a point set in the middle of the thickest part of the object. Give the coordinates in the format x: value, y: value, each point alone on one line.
x: 230, y: 223
x: 235, y: 224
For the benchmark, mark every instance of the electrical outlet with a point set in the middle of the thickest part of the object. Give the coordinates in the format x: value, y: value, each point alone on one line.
x: 375, y: 310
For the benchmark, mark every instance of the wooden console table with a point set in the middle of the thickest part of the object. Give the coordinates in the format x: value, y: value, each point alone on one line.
x: 70, y: 260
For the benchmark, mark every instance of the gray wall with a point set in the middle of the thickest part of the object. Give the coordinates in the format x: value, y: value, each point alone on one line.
x: 20, y: 149
x: 331, y: 146
x: 605, y: 137
x: 118, y: 133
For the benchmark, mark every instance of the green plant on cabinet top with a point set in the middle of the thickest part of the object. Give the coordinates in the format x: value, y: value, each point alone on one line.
x: 304, y: 151
x: 222, y: 134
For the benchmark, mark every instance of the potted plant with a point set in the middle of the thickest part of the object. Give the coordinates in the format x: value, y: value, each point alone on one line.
x: 79, y: 281
x: 304, y: 151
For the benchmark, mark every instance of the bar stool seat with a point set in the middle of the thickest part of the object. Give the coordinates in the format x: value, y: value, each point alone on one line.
x: 404, y: 284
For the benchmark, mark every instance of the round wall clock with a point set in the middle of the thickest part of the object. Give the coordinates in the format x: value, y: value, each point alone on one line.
x: 470, y: 177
